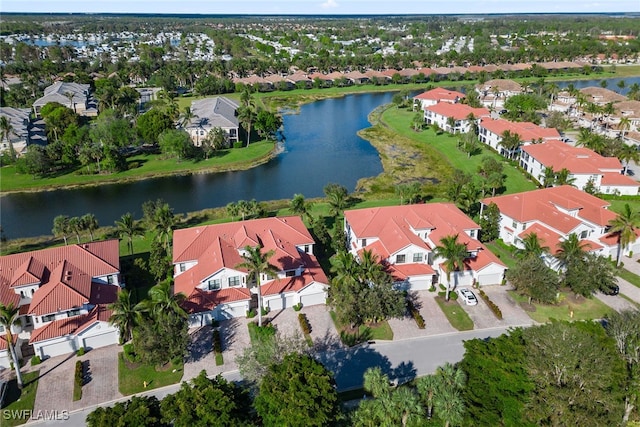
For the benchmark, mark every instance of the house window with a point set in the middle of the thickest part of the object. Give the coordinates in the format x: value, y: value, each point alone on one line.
x: 213, y: 284
x: 182, y: 267
x: 584, y: 234
x: 306, y: 249
x: 110, y: 280
x: 400, y: 259
x: 290, y: 273
x: 21, y: 294
x: 27, y: 321
x: 48, y: 318
x: 234, y: 281
x: 1, y: 328
x: 364, y: 243
x: 472, y: 233
x: 514, y: 225
x: 33, y: 291
x: 74, y: 312
x: 417, y: 257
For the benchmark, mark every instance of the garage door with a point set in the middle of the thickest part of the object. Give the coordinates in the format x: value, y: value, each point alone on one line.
x: 284, y: 301
x: 489, y: 279
x: 57, y: 349
x: 313, y: 299
x: 225, y: 311
x: 101, y: 340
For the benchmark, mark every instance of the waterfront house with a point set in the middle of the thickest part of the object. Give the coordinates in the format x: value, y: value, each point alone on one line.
x: 434, y: 96
x: 75, y: 96
x: 491, y: 131
x: 404, y: 237
x: 441, y: 113
x: 210, y: 113
x: 205, y: 263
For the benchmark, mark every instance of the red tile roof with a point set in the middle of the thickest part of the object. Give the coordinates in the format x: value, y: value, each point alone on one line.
x: 457, y: 111
x: 200, y: 300
x: 527, y: 131
x: 440, y: 94
x: 403, y: 271
x: 541, y: 205
x: 547, y: 237
x: 71, y: 325
x: 312, y: 273
x: 618, y: 180
x: 3, y: 341
x: 577, y: 160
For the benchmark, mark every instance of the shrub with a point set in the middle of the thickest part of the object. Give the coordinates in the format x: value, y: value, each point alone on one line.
x: 36, y: 360
x: 251, y: 314
x: 130, y: 354
x: 416, y: 316
x: 432, y: 288
x: 492, y: 305
x: 81, y: 351
x: 453, y: 295
x: 298, y: 306
x: 265, y: 310
x: 442, y: 287
x: 238, y: 144
x: 261, y: 333
x: 79, y: 373
x: 217, y: 343
x: 304, y: 323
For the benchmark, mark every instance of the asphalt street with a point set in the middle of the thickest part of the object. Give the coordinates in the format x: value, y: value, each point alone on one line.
x: 401, y: 360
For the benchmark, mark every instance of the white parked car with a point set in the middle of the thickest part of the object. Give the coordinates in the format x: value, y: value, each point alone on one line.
x: 467, y: 296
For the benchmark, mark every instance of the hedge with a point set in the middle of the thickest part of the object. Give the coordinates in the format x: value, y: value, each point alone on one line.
x: 416, y: 315
x: 304, y: 323
x: 492, y: 305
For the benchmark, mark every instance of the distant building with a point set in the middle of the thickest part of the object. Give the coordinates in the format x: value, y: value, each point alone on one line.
x: 75, y: 96
x: 24, y: 131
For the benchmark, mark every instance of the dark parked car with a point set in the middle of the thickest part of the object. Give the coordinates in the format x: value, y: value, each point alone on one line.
x: 613, y: 290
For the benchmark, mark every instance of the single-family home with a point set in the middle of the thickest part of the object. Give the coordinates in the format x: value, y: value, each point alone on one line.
x: 601, y: 96
x: 206, y: 268
x: 210, y: 113
x: 75, y: 96
x: 584, y: 165
x: 629, y: 110
x: 63, y: 294
x: 404, y: 238
x: 18, y: 132
x: 433, y: 96
x: 553, y: 214
x: 490, y: 132
x: 441, y: 113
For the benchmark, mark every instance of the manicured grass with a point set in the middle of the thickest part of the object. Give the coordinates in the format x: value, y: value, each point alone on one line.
x: 260, y: 333
x: 379, y: 331
x: 456, y: 315
x: 149, y: 165
x: 630, y: 277
x: 587, y: 309
x: 131, y: 379
x: 502, y: 251
x: 19, y: 400
x: 77, y: 391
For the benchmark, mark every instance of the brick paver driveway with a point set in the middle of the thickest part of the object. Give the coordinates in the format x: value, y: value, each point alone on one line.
x: 512, y: 313
x: 55, y: 386
x: 435, y: 320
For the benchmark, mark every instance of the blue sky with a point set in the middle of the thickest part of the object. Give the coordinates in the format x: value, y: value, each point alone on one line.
x: 317, y: 7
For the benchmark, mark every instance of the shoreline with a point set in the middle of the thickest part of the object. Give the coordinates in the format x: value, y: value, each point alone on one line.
x: 290, y: 103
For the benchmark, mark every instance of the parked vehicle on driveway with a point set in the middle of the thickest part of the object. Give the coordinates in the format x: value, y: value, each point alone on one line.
x: 613, y: 290
x: 467, y: 296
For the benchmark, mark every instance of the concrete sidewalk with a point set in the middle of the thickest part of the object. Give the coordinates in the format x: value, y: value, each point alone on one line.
x: 627, y: 288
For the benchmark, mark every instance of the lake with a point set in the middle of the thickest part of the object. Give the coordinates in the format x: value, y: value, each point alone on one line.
x: 321, y: 146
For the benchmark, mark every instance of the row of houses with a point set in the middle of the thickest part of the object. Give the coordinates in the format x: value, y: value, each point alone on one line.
x: 540, y: 148
x: 306, y: 79
x: 64, y: 293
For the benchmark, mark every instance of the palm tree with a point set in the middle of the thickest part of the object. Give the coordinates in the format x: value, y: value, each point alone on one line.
x: 187, y: 116
x: 449, y: 407
x: 511, y: 142
x: 454, y: 254
x: 128, y: 227
x: 624, y: 125
x: 9, y: 317
x: 61, y: 227
x: 125, y: 316
x: 405, y: 402
x: 163, y: 302
x: 634, y: 91
x: 532, y: 246
x: 257, y: 264
x: 570, y: 250
x: 337, y: 197
x: 627, y: 154
x: 6, y: 128
x: 300, y: 206
x: 89, y: 223
x: 163, y: 222
x: 70, y: 96
x: 548, y: 177
x: 427, y: 388
x: 344, y: 267
x: 625, y: 226
x: 563, y: 177
x: 621, y: 85
x: 246, y: 116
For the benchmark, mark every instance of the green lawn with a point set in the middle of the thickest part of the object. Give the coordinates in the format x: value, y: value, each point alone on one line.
x: 148, y: 166
x: 20, y: 400
x: 399, y: 120
x: 630, y: 277
x: 378, y: 331
x: 586, y: 309
x: 502, y: 251
x: 458, y: 318
x: 131, y: 380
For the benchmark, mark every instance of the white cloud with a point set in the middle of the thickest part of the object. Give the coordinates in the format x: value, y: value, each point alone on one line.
x: 329, y: 4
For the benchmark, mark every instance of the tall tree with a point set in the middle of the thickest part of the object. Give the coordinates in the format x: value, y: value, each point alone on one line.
x: 299, y: 206
x: 129, y: 228
x: 125, y: 316
x: 570, y: 250
x: 257, y: 263
x: 89, y: 223
x: 624, y: 226
x: 627, y: 154
x: 454, y: 254
x: 280, y: 400
x: 337, y: 196
x: 9, y: 317
x: 532, y: 278
x: 532, y: 246
x: 61, y: 227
